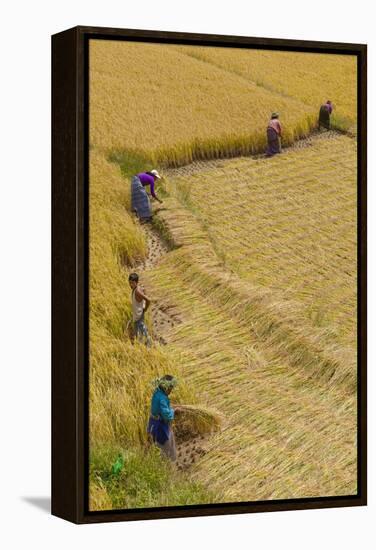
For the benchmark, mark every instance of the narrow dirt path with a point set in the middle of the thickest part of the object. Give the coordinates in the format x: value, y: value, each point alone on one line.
x: 163, y: 317
x: 189, y: 447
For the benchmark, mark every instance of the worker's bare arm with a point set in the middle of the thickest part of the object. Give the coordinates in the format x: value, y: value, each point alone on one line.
x: 141, y: 296
x: 157, y: 199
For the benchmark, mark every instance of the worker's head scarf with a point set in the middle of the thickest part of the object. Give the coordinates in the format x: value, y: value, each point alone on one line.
x: 275, y: 115
x: 165, y: 382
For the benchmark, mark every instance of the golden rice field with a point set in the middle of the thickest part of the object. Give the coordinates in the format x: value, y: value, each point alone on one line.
x: 176, y: 107
x: 307, y: 77
x: 262, y: 272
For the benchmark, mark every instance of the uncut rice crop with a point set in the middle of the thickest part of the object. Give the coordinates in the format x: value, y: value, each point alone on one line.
x: 312, y: 78
x: 156, y: 100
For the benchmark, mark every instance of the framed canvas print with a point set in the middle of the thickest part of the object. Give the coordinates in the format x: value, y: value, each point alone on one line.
x: 209, y: 274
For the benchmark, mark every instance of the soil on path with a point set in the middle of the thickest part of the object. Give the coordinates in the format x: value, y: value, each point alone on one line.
x: 189, y: 447
x: 163, y: 317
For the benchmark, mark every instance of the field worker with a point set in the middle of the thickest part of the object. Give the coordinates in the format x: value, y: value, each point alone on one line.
x: 139, y: 197
x: 324, y: 115
x: 162, y: 415
x: 273, y: 134
x: 140, y: 304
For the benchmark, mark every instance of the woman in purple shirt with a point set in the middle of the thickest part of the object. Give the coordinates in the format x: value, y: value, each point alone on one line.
x: 140, y: 198
x: 148, y: 178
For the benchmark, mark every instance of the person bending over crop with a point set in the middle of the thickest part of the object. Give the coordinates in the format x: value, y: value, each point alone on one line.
x: 139, y: 197
x: 140, y: 304
x: 273, y: 134
x: 162, y: 415
x: 324, y: 115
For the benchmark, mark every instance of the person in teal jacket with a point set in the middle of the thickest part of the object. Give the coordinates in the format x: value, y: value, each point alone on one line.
x: 162, y: 414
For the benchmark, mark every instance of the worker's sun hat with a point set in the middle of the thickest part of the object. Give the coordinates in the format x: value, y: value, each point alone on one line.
x: 155, y: 173
x: 275, y: 114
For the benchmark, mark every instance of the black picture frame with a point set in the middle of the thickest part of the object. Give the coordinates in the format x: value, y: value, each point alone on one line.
x: 70, y: 273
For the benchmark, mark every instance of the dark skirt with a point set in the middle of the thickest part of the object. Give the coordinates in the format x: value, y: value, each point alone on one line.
x: 159, y: 430
x: 140, y: 201
x: 324, y: 117
x: 163, y: 437
x: 274, y: 142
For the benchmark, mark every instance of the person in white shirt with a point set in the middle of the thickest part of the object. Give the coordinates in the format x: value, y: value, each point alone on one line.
x: 140, y: 304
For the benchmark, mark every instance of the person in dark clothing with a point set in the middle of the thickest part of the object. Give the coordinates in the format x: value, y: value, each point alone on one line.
x: 273, y: 135
x: 324, y: 115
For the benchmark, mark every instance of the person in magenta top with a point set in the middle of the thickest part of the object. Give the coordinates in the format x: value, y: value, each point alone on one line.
x: 148, y: 178
x: 275, y: 124
x: 273, y: 135
x: 140, y: 201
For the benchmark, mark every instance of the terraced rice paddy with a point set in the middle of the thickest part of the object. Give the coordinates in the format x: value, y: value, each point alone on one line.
x: 174, y: 107
x: 302, y: 76
x: 250, y: 264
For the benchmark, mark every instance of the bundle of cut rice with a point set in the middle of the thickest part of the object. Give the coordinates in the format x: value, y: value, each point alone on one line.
x: 191, y: 420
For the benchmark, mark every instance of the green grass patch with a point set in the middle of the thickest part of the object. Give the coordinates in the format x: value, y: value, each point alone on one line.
x: 145, y: 480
